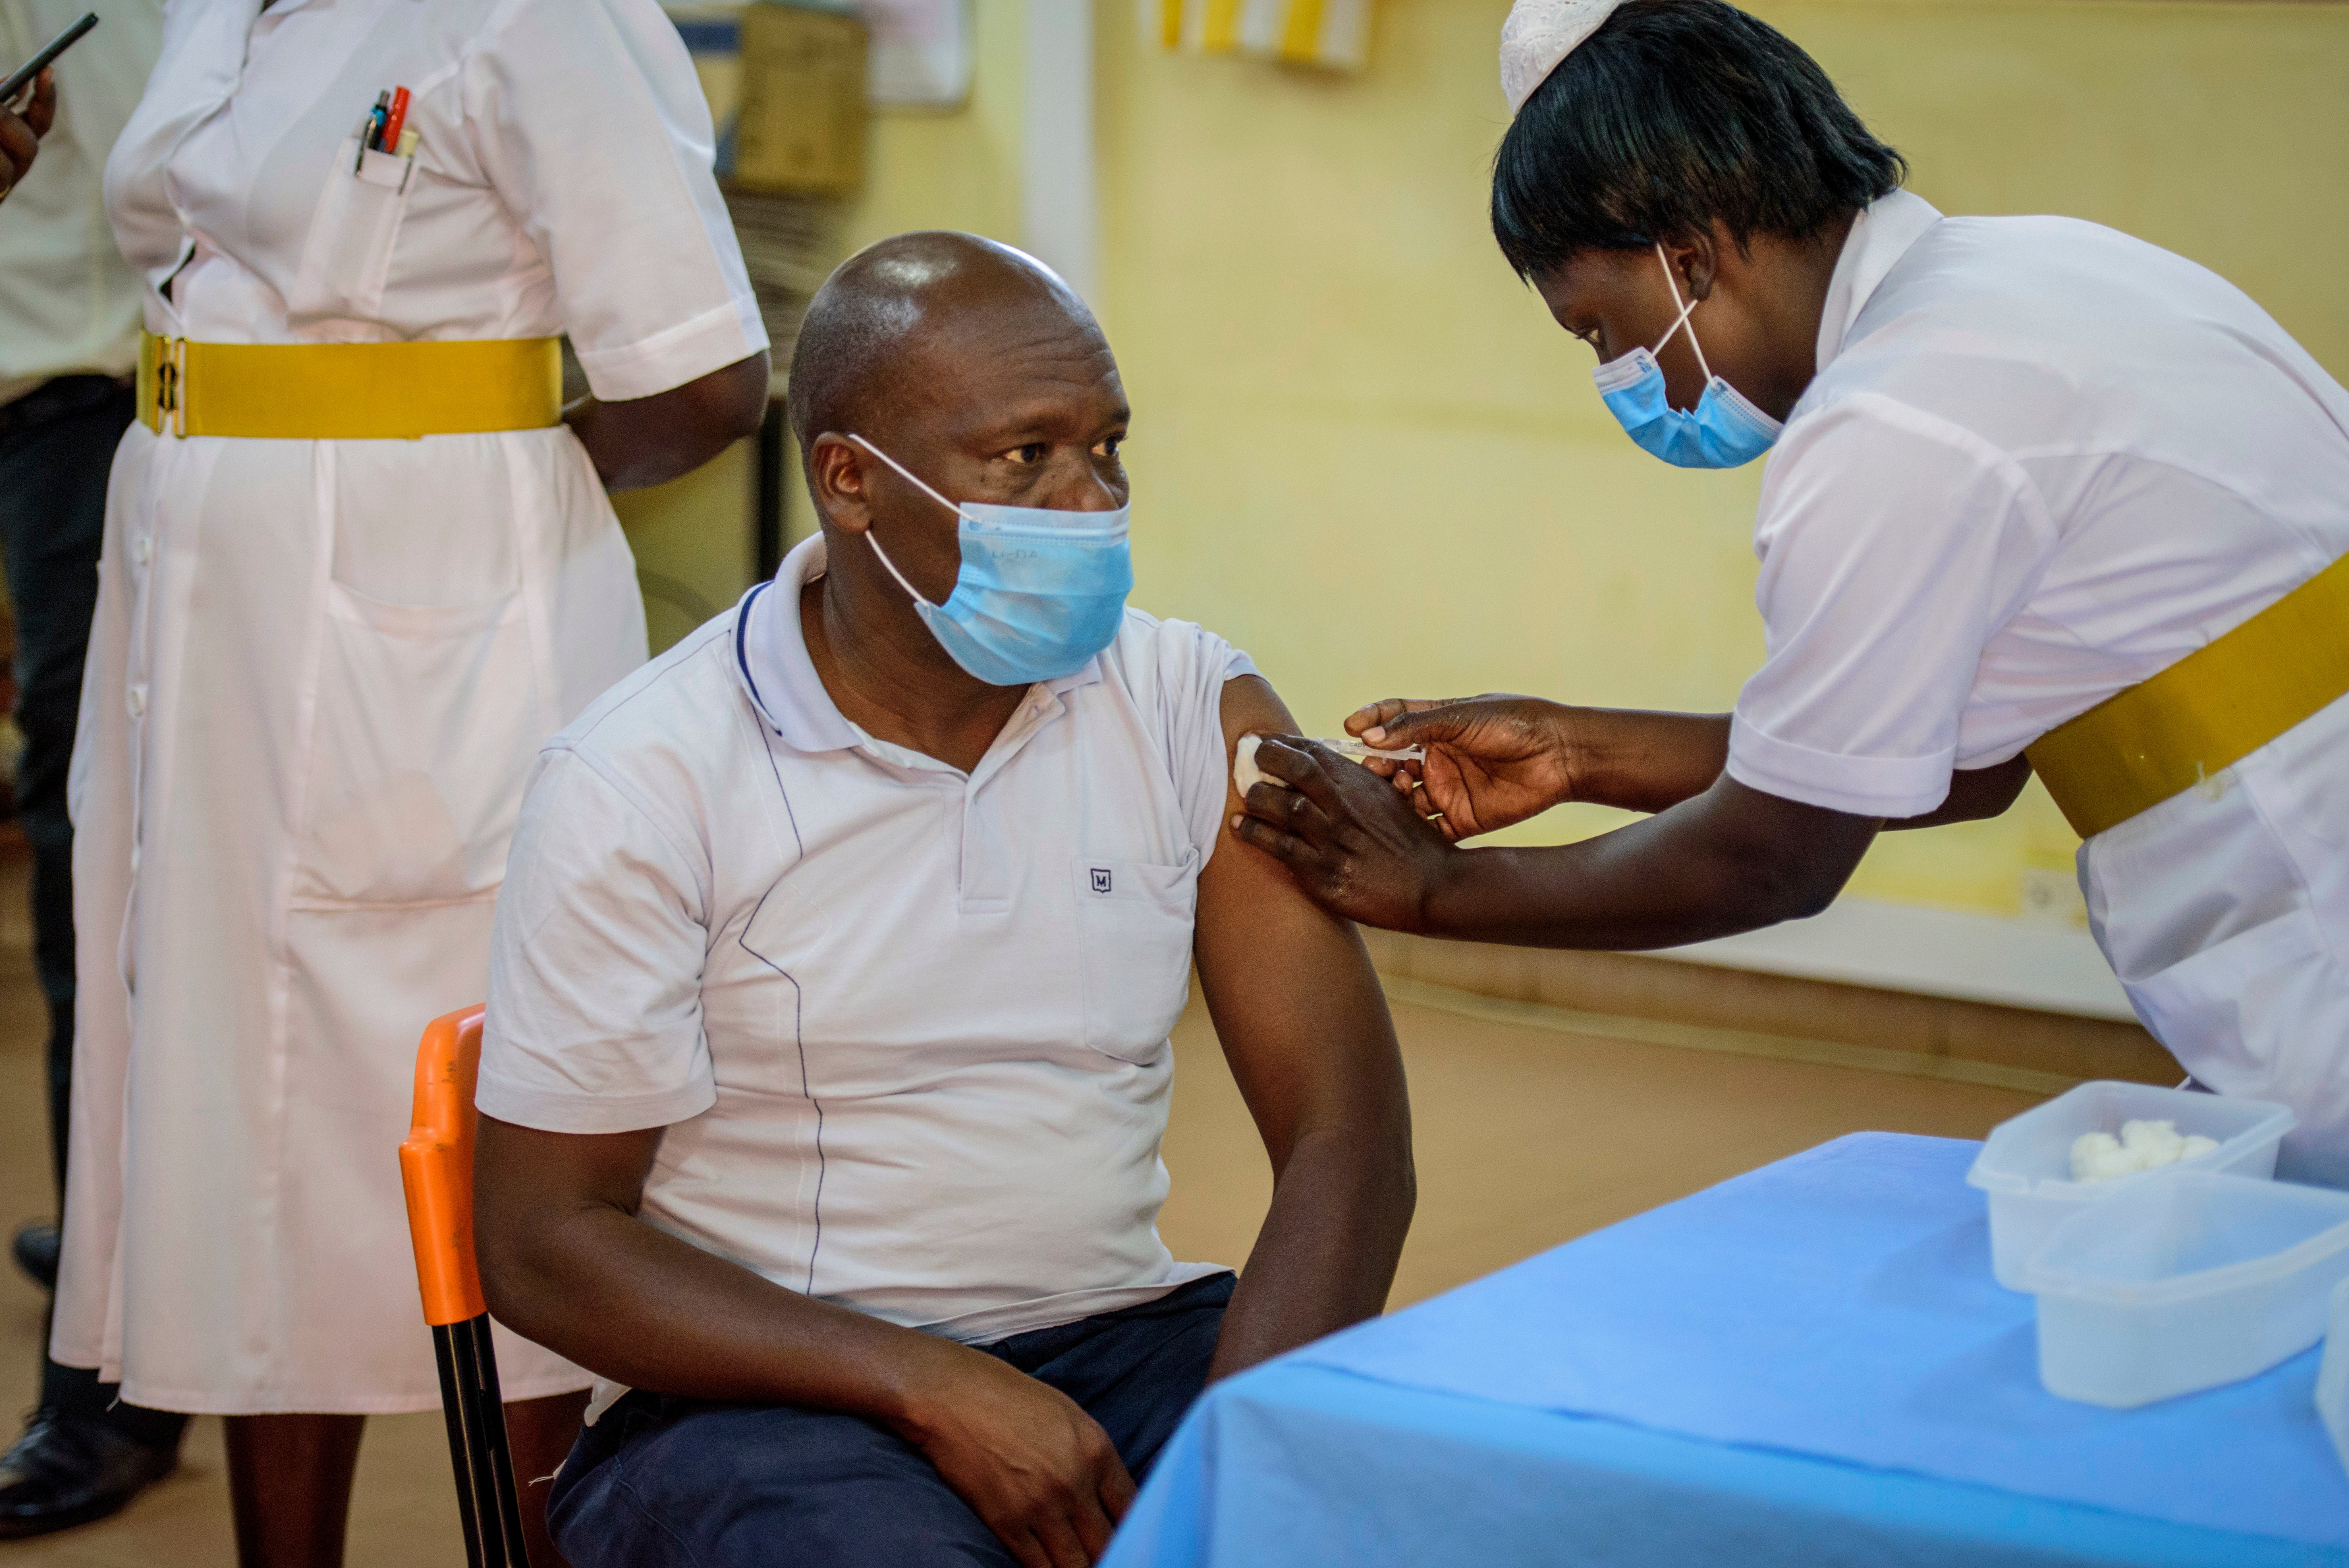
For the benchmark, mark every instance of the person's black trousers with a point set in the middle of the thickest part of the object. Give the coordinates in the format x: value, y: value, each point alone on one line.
x: 57, y: 446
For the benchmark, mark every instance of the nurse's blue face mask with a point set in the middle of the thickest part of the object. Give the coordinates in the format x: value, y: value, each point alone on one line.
x: 1724, y: 431
x: 1038, y: 592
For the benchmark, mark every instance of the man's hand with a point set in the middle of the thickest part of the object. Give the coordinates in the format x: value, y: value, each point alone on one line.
x: 21, y: 131
x: 1032, y: 1464
x: 1492, y: 760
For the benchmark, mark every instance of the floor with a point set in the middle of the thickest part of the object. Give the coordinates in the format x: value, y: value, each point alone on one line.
x: 1528, y: 1133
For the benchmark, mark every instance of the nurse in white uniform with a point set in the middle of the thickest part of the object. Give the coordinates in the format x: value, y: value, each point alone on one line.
x: 358, y: 564
x: 2042, y: 496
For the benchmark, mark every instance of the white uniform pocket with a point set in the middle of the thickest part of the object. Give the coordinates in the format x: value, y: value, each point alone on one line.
x: 2232, y: 1008
x: 427, y: 718
x: 348, y: 255
x: 1133, y: 932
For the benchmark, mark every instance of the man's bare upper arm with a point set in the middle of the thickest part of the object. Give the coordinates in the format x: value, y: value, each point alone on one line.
x: 1303, y: 1022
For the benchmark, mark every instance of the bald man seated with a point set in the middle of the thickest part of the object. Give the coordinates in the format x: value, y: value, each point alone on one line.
x: 827, y: 1059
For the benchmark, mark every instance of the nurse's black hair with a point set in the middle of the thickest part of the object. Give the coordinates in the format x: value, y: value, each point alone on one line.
x: 1673, y: 114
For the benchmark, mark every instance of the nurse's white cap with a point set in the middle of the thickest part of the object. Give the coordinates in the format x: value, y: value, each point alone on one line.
x: 1537, y: 36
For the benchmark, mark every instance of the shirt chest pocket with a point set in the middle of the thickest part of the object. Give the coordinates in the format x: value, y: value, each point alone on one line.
x: 1133, y: 939
x: 348, y: 255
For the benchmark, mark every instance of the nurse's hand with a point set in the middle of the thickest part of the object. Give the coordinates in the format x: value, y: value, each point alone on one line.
x: 21, y: 130
x: 1496, y: 759
x: 1491, y: 760
x: 1353, y: 841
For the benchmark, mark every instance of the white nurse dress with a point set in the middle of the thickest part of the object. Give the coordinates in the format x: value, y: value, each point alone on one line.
x: 2042, y: 462
x: 321, y: 668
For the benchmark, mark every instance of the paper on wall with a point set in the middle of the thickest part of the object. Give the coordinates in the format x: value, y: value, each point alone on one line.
x: 1333, y: 34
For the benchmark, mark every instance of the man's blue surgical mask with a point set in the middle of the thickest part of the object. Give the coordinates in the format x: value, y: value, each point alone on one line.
x: 1726, y: 431
x: 1038, y: 592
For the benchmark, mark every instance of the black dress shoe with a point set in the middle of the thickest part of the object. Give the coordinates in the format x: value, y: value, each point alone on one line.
x: 36, y: 1249
x: 70, y: 1470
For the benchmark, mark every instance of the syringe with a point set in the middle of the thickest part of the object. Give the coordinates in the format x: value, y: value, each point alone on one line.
x: 1346, y: 746
x: 1246, y: 775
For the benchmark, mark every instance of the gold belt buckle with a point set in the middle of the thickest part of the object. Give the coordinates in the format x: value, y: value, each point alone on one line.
x: 170, y: 384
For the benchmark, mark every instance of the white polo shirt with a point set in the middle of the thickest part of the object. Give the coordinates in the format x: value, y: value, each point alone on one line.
x: 906, y: 1026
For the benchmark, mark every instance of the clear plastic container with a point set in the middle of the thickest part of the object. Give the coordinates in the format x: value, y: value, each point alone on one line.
x: 2183, y: 1282
x: 2025, y: 1165
x: 2333, y: 1377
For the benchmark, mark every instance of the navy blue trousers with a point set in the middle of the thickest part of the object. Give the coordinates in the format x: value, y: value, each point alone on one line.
x: 689, y: 1483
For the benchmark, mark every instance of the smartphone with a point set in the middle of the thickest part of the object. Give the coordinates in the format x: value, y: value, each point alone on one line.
x: 50, y: 51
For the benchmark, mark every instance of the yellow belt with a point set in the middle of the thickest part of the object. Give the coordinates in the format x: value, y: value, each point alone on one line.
x: 2208, y: 711
x: 348, y: 391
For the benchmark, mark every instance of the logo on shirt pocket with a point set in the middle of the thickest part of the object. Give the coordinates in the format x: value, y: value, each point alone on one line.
x: 1134, y: 936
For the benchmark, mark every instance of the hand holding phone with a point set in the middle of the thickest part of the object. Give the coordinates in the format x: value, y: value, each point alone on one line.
x: 21, y: 130
x: 20, y: 134
x: 41, y: 61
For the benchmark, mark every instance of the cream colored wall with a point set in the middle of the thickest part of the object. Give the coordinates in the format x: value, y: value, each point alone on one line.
x: 955, y: 171
x: 958, y: 169
x: 1362, y: 452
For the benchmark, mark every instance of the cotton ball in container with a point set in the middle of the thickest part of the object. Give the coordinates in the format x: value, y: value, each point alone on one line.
x: 2099, y: 1157
x: 2142, y: 1145
x: 2153, y: 1143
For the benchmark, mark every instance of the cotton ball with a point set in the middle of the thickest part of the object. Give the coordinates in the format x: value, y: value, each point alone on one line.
x: 2091, y: 1153
x: 2153, y: 1143
x: 2142, y: 1145
x: 2101, y: 1157
x: 1245, y: 772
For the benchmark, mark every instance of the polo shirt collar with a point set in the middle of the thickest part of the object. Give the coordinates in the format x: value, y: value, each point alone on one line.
x: 770, y: 660
x: 1879, y: 237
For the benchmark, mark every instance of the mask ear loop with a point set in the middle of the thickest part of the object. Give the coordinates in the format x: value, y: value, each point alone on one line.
x: 911, y: 478
x: 1672, y: 283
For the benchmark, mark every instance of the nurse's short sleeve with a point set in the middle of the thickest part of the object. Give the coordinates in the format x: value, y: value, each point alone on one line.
x: 587, y: 117
x: 1893, y: 544
x: 596, y: 958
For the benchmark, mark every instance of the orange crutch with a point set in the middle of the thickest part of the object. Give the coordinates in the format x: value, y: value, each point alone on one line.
x: 436, y: 1166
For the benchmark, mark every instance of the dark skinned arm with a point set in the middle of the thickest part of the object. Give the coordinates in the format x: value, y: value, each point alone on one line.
x: 643, y: 441
x: 1729, y: 859
x: 1717, y: 858
x: 565, y: 1261
x: 1498, y: 760
x: 1305, y: 1028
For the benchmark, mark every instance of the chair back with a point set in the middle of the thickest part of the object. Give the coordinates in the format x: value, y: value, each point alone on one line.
x: 436, y: 1167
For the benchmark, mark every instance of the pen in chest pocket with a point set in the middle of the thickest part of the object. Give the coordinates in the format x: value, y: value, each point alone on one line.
x: 385, y: 129
x: 373, y: 123
x: 394, y: 120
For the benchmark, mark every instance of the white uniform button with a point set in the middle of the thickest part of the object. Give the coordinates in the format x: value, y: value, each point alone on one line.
x: 137, y: 702
x: 142, y: 549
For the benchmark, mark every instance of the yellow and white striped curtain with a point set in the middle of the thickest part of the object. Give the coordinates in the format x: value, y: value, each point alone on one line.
x: 1332, y: 34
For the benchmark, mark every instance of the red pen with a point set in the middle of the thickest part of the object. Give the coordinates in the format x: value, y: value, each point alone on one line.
x: 390, y: 141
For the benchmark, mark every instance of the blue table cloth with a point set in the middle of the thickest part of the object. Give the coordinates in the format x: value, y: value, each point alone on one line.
x: 1809, y: 1363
